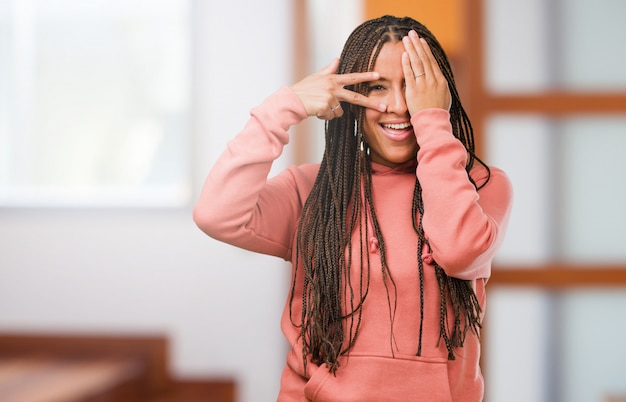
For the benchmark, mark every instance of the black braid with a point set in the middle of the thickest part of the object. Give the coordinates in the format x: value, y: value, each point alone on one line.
x: 341, y: 201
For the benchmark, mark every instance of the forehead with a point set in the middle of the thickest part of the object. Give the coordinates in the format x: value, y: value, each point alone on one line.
x: 389, y: 59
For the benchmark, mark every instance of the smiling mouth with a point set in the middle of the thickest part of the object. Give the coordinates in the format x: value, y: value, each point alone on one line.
x: 397, y: 126
x: 397, y: 132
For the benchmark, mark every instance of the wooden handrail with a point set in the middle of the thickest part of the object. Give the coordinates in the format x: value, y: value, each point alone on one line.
x: 559, y: 276
x: 557, y: 103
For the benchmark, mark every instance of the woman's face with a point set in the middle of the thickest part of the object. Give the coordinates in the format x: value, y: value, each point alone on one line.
x: 389, y: 134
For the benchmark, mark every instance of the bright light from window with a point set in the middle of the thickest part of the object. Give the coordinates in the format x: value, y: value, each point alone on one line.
x: 94, y: 105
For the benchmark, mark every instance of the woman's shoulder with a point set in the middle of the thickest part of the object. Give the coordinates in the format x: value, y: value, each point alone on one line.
x: 482, y: 174
x: 302, y: 176
x: 304, y: 170
x: 494, y: 186
x: 296, y: 180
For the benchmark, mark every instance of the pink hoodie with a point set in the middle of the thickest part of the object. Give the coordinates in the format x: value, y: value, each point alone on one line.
x: 240, y: 206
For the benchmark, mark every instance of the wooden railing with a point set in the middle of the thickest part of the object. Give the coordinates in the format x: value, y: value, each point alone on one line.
x: 69, y: 368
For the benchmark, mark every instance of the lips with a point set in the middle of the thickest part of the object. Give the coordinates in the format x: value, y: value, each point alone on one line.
x: 397, y: 131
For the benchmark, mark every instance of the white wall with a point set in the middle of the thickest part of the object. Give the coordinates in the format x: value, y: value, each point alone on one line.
x: 152, y: 270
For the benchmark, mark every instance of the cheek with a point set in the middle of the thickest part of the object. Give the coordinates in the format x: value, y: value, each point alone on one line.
x: 371, y: 121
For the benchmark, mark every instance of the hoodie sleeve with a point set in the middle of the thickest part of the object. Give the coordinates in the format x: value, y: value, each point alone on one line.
x: 237, y: 204
x: 464, y: 226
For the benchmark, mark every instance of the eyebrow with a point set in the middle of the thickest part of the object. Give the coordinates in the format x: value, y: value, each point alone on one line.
x: 380, y: 80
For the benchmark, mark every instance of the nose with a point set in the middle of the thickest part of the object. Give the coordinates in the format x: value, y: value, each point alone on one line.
x: 397, y: 102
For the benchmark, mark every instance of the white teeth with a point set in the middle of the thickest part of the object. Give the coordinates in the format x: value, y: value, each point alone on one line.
x: 397, y: 126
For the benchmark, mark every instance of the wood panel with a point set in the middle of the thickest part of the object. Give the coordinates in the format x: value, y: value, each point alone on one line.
x: 98, y: 368
x: 199, y: 391
x: 442, y: 17
x: 560, y: 276
x: 556, y: 104
x: 152, y: 350
x: 43, y: 378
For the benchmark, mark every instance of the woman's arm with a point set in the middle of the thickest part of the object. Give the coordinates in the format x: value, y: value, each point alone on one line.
x: 464, y: 226
x: 237, y: 204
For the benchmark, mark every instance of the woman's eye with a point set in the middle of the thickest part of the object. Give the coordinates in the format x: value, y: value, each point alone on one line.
x: 373, y: 88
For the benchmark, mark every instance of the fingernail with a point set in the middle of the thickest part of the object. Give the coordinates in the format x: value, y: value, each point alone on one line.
x: 413, y: 33
x: 382, y: 107
x: 405, y: 39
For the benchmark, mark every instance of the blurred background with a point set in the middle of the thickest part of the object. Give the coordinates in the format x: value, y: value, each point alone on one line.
x: 112, y: 112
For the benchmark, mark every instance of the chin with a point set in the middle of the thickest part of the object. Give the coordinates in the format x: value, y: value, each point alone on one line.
x: 401, y: 159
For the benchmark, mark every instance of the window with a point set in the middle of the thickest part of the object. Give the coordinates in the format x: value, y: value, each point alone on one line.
x: 94, y: 106
x: 551, y: 100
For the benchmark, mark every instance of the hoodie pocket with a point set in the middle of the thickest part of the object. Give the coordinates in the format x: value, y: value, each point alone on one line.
x: 375, y: 378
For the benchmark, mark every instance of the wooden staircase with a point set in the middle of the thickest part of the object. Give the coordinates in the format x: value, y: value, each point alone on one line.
x: 68, y: 368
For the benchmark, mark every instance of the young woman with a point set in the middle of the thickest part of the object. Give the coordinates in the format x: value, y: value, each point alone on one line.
x: 391, y: 236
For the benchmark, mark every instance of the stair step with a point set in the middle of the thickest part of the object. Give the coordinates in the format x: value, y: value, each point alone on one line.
x: 199, y: 391
x: 56, y: 379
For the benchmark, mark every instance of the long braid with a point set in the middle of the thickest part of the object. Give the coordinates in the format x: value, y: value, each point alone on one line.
x: 341, y: 201
x: 417, y: 210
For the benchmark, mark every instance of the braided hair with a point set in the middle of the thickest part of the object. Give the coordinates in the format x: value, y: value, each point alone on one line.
x: 340, y: 203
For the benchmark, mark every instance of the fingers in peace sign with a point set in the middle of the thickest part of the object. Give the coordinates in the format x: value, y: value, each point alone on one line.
x: 322, y: 92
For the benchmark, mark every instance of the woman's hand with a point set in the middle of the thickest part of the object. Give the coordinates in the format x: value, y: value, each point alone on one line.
x: 321, y: 92
x: 426, y: 87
